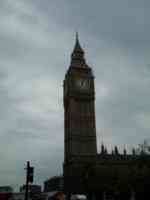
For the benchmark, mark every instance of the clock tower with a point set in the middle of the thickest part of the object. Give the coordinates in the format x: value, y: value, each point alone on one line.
x: 79, y: 107
x: 84, y: 170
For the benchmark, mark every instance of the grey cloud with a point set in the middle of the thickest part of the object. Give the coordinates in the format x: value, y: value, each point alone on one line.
x: 119, y: 111
x: 36, y: 40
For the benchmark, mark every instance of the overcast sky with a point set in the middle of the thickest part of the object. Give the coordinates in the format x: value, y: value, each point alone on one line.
x: 36, y: 40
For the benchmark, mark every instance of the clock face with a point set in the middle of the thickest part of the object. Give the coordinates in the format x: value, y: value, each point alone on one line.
x: 83, y: 84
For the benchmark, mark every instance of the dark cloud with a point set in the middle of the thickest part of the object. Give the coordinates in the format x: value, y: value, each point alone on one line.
x: 36, y: 40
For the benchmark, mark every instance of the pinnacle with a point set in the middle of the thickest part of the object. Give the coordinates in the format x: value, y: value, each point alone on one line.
x: 77, y: 47
x: 77, y: 56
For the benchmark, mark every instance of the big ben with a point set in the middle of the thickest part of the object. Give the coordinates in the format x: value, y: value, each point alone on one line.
x: 79, y: 107
x: 85, y: 171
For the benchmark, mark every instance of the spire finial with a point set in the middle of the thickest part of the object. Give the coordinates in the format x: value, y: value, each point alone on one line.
x: 77, y: 46
x: 77, y: 37
x: 77, y: 56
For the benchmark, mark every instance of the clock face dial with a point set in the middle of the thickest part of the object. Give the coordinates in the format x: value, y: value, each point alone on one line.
x: 83, y: 83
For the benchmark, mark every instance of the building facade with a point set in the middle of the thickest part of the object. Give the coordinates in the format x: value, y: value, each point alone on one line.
x: 86, y: 171
x: 6, y: 192
x: 55, y: 183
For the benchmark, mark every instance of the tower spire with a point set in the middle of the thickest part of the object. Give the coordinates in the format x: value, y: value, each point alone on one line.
x: 77, y: 37
x: 77, y: 47
x: 77, y: 57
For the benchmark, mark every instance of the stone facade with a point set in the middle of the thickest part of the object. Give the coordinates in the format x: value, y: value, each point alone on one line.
x: 86, y: 171
x: 79, y: 96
